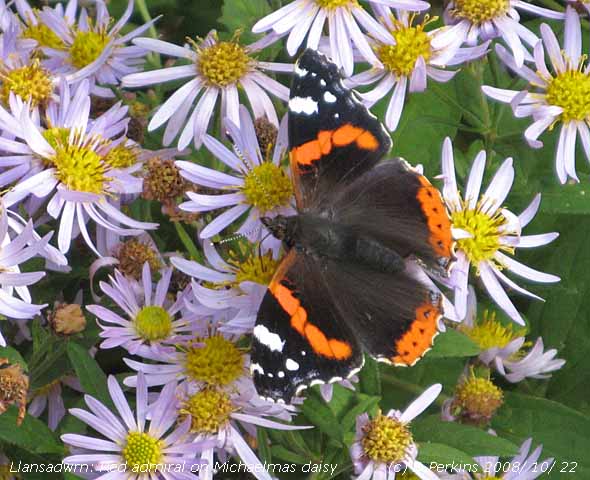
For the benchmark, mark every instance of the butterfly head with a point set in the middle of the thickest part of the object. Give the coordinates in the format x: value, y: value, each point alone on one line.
x: 277, y: 226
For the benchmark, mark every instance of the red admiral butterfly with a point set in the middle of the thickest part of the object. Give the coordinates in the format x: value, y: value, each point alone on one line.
x: 343, y: 288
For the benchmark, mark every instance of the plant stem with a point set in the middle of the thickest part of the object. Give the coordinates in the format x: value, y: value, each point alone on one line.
x: 145, y: 15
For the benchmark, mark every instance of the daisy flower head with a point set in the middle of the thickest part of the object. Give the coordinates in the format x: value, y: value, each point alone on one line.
x: 492, y: 233
x: 148, y: 452
x: 505, y: 348
x: 234, y: 286
x: 22, y: 73
x: 220, y: 416
x: 67, y: 163
x: 212, y: 360
x: 409, y: 55
x: 92, y: 48
x: 18, y: 244
x: 556, y: 95
x: 487, y: 19
x: 31, y: 28
x: 306, y: 18
x: 216, y: 70
x: 384, y: 445
x: 151, y: 321
x: 258, y: 186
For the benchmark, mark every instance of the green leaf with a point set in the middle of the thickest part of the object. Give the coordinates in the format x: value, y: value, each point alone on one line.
x: 562, y: 431
x: 188, y: 243
x: 263, y: 449
x: 92, y: 378
x: 42, y: 466
x: 242, y: 15
x: 32, y: 435
x: 320, y: 415
x: 282, y: 453
x: 436, y: 455
x: 369, y: 378
x: 471, y: 440
x: 13, y: 356
x: 366, y: 404
x: 453, y: 343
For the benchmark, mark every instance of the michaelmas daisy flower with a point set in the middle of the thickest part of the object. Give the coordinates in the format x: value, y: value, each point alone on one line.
x: 487, y: 19
x: 257, y: 186
x: 92, y: 47
x: 383, y: 445
x: 147, y: 452
x: 408, y: 55
x: 560, y: 96
x: 68, y: 164
x: 345, y: 18
x: 217, y: 70
x: 151, y: 321
x: 493, y: 233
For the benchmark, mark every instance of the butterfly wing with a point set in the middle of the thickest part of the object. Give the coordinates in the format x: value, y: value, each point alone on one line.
x: 332, y: 136
x: 400, y: 208
x: 299, y: 338
x: 394, y: 316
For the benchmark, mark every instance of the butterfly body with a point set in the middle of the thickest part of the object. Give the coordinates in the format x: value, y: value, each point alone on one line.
x: 322, y: 238
x: 347, y: 284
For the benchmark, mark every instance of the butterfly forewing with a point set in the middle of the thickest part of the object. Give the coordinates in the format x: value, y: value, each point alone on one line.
x: 333, y: 137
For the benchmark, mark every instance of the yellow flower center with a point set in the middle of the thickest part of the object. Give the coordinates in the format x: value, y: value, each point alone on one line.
x: 254, y: 268
x: 217, y: 362
x: 209, y: 409
x: 411, y: 43
x: 78, y: 167
x: 386, y: 439
x: 122, y: 156
x: 141, y: 450
x: 484, y: 230
x: 132, y: 254
x: 87, y: 47
x: 223, y: 63
x: 480, y: 11
x: 332, y: 4
x: 477, y: 399
x: 267, y: 187
x: 571, y: 91
x: 489, y: 332
x: 153, y: 323
x: 44, y: 36
x: 31, y: 82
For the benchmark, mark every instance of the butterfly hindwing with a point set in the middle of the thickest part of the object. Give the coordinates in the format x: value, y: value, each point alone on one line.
x: 399, y: 207
x: 333, y: 137
x: 394, y: 316
x: 298, y: 338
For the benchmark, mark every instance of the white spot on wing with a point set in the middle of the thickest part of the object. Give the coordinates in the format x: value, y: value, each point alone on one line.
x: 281, y: 374
x: 300, y: 72
x: 270, y: 375
x: 329, y: 97
x: 268, y: 339
x: 291, y: 365
x: 254, y: 367
x: 322, y: 82
x: 305, y: 105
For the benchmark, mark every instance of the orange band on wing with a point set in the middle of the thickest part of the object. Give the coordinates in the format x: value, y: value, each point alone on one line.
x: 326, y: 347
x: 343, y: 136
x: 419, y: 337
x: 438, y: 220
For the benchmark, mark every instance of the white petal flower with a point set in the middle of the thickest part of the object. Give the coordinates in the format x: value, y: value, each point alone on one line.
x: 556, y: 95
x: 494, y: 233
